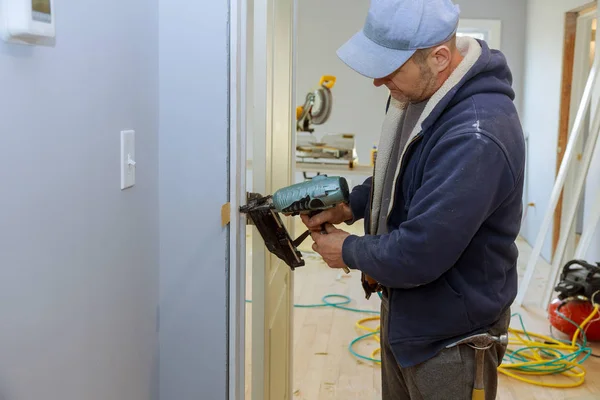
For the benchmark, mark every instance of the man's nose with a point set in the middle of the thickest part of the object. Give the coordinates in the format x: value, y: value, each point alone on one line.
x: 378, y: 82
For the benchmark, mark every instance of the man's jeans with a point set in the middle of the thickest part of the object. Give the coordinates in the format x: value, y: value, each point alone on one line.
x: 448, y: 376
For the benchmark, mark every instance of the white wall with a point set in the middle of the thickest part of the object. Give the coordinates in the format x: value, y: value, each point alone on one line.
x: 358, y: 106
x: 78, y: 256
x: 591, y: 195
x: 543, y: 77
x: 592, y: 187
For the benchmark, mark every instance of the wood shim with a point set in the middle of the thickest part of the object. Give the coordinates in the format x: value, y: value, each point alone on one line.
x: 225, y: 214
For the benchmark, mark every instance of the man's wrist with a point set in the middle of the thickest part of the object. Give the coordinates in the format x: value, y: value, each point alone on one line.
x: 348, y: 251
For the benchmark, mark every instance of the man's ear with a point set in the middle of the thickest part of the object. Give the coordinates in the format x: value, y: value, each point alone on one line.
x: 441, y: 58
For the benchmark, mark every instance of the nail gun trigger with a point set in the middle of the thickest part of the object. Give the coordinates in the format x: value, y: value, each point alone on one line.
x: 301, y: 239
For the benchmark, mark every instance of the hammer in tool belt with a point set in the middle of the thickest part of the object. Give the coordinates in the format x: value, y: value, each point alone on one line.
x: 480, y: 343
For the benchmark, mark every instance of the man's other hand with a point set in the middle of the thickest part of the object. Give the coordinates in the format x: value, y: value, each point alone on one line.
x: 336, y: 215
x: 329, y: 245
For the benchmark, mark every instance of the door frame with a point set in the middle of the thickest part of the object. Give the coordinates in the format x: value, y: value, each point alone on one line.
x: 273, y: 123
x: 236, y: 272
x: 566, y: 105
x: 240, y: 88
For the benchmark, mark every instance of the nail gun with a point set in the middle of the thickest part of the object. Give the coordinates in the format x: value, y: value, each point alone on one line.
x: 310, y: 197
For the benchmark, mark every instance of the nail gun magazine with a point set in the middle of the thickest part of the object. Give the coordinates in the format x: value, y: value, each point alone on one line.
x: 310, y: 197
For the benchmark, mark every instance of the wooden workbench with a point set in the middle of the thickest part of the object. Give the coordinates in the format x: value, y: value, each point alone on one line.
x: 342, y: 169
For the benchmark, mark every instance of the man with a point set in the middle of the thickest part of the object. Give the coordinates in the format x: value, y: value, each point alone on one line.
x: 443, y: 208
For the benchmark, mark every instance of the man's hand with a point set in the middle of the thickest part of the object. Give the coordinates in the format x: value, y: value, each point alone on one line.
x: 329, y: 245
x: 336, y: 215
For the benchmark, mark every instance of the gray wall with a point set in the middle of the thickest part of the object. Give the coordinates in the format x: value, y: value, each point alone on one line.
x: 358, y: 106
x: 81, y: 259
x: 513, y: 14
x: 193, y: 186
x: 78, y: 256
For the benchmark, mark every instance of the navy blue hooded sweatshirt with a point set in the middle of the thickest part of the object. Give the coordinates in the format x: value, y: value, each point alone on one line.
x: 450, y: 258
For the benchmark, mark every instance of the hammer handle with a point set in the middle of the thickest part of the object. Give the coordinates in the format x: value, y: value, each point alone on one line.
x: 478, y: 394
x: 479, y: 386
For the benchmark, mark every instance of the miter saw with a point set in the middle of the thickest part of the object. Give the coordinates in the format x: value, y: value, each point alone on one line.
x: 317, y: 106
x: 328, y: 148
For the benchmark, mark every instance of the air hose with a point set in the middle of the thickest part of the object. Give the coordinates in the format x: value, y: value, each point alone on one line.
x: 326, y: 301
x: 529, y: 354
x: 373, y: 333
x: 542, y: 355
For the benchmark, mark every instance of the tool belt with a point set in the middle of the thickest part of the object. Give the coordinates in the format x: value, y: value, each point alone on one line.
x: 370, y: 285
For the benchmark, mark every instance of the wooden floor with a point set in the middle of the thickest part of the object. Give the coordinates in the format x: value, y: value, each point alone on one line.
x: 323, y: 366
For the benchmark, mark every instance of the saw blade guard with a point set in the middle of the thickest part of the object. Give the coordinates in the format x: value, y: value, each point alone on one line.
x: 317, y: 106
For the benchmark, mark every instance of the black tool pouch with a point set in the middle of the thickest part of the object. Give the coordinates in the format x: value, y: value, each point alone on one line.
x: 369, y: 285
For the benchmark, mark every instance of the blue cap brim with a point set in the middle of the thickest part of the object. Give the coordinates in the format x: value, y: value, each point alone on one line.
x: 370, y: 59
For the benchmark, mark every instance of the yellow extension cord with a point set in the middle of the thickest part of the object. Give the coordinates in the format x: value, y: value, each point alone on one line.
x: 360, y: 325
x: 547, y: 356
x: 540, y: 353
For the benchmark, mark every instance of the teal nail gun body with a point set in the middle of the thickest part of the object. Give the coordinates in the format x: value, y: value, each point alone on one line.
x: 310, y: 197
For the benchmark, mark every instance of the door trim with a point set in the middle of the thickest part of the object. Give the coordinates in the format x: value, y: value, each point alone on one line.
x: 236, y: 273
x: 242, y: 14
x: 565, y: 111
x: 294, y: 64
x: 259, y: 35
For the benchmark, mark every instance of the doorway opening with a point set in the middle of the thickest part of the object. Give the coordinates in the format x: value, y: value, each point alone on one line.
x: 299, y: 325
x: 578, y: 56
x: 309, y: 333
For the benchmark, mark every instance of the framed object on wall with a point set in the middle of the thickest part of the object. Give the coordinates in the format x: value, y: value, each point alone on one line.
x: 27, y: 21
x: 489, y: 30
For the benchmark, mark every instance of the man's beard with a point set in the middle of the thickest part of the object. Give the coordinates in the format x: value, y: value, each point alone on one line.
x: 426, y: 89
x: 427, y: 84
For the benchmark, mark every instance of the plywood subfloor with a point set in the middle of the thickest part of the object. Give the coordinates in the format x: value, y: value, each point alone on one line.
x: 323, y: 366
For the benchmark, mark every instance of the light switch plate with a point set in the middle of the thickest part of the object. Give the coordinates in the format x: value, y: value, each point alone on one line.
x: 127, y: 159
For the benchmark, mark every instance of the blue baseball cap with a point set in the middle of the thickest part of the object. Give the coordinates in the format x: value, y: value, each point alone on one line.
x: 394, y: 30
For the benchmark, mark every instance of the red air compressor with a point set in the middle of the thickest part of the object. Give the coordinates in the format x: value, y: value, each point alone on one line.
x: 578, y: 289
